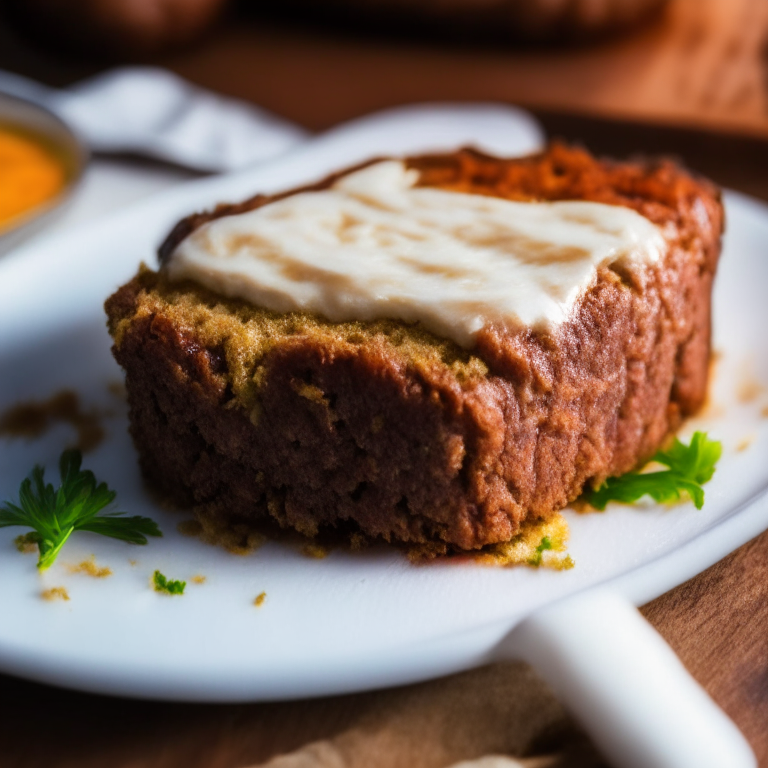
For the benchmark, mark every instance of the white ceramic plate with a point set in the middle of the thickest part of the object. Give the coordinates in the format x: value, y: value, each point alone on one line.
x: 350, y: 621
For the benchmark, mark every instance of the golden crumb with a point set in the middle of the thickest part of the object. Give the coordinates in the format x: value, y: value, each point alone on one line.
x: 314, y: 550
x: 539, y: 543
x: 199, y: 579
x: 420, y: 553
x: 583, y: 507
x: 133, y: 562
x: 239, y: 539
x: 238, y: 543
x: 259, y: 600
x: 55, y: 593
x: 89, y: 568
x: 764, y: 411
x: 561, y: 564
x: 745, y: 443
x: 26, y: 543
x: 309, y: 392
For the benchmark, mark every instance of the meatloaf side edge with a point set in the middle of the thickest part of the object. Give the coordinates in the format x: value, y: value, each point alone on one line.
x: 383, y: 429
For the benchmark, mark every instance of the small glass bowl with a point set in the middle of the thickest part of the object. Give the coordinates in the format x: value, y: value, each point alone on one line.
x: 40, y: 124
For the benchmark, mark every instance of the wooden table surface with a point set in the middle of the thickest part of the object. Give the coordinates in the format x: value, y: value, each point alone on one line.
x: 692, y: 85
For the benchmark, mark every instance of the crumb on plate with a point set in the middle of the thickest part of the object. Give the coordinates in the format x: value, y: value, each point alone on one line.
x: 89, y: 568
x: 26, y: 543
x: 314, y: 550
x: 541, y: 543
x: 32, y: 419
x: 55, y: 593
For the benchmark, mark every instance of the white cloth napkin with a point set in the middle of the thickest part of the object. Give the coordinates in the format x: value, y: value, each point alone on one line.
x: 152, y: 112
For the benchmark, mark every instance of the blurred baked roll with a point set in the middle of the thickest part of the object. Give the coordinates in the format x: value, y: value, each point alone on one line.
x: 114, y: 27
x: 534, y: 20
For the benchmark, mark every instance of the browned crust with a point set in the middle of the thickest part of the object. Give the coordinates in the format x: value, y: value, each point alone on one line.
x: 406, y: 450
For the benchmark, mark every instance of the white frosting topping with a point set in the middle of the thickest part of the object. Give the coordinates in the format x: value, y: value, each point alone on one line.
x: 374, y: 245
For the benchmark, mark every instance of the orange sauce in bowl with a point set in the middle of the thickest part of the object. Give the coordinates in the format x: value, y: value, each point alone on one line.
x: 30, y: 174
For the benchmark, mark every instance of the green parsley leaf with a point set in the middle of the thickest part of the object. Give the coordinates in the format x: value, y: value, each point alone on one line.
x: 695, y: 461
x: 545, y: 544
x: 162, y: 584
x: 54, y: 515
x: 690, y: 466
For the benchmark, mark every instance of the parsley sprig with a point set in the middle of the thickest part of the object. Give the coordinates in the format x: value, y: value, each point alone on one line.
x: 170, y: 586
x: 689, y: 467
x: 75, y: 506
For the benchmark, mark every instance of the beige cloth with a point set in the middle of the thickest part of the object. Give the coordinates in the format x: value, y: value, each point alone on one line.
x: 501, y: 716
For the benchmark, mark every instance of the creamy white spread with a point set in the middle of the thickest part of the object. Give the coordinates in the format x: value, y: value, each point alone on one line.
x: 375, y: 245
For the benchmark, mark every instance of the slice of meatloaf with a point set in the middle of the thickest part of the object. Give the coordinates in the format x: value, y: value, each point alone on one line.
x: 383, y: 428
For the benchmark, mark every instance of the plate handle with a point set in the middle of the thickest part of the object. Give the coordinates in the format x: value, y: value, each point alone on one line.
x: 618, y: 677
